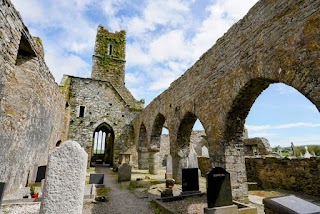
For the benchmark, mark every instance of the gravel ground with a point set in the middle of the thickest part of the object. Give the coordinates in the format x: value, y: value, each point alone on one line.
x: 121, y: 199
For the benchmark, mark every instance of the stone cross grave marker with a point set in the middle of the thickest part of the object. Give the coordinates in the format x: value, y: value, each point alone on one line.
x: 2, y: 187
x: 205, y: 152
x: 124, y: 172
x: 96, y: 179
x: 192, y: 158
x: 65, y: 180
x: 218, y: 188
x: 169, y: 167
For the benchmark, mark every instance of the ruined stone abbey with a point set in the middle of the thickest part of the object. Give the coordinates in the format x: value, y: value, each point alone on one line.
x: 277, y: 41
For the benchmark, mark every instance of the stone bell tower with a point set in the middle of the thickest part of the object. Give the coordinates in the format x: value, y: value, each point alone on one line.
x: 109, y: 56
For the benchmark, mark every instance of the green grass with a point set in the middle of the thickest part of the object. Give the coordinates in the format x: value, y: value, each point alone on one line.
x: 104, y: 191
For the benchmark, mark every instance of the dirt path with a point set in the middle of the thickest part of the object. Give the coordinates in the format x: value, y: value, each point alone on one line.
x: 121, y: 200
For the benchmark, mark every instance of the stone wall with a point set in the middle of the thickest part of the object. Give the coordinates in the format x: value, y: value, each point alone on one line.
x: 290, y: 174
x: 31, y: 106
x: 102, y: 104
x: 277, y: 41
x: 256, y: 146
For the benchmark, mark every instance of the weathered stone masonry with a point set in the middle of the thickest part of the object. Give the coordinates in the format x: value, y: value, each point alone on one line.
x: 283, y: 173
x: 277, y: 41
x: 31, y: 106
x: 104, y: 99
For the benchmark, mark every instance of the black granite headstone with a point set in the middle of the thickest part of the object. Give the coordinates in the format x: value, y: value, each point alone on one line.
x: 41, y: 173
x: 2, y: 187
x: 218, y: 188
x: 190, y: 179
x: 96, y: 178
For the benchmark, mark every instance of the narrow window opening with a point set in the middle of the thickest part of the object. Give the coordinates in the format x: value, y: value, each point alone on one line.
x: 81, y: 112
x: 110, y: 49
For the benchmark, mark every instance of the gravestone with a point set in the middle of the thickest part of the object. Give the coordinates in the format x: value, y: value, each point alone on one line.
x: 41, y: 173
x: 218, y: 188
x: 205, y: 152
x: 65, y: 180
x: 124, y: 172
x: 96, y: 179
x: 289, y: 204
x: 280, y: 151
x: 307, y: 154
x: 192, y: 158
x: 293, y: 150
x: 169, y: 167
x: 190, y: 181
x: 2, y: 188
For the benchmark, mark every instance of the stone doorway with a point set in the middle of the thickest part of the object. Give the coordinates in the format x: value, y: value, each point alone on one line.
x: 102, y: 147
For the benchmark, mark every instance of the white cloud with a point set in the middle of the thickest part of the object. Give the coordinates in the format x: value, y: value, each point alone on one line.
x: 283, y: 126
x: 169, y: 46
x: 299, y: 141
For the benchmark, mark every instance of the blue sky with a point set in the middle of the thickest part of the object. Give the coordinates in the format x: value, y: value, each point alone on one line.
x: 164, y: 38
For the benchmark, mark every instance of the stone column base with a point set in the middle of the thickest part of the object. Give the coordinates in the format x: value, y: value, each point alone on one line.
x: 169, y: 176
x: 232, y: 209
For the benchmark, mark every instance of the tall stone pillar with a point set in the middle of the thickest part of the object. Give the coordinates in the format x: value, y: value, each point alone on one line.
x: 235, y: 165
x: 65, y: 180
x: 143, y: 158
x: 178, y: 163
x: 153, y: 160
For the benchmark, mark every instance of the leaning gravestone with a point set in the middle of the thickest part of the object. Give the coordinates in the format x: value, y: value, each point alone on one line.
x: 124, y: 172
x: 96, y: 179
x: 218, y: 188
x: 2, y: 187
x: 65, y: 180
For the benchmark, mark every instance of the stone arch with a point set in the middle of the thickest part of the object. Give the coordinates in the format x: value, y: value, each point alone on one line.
x: 158, y: 124
x: 143, y: 154
x: 102, y: 145
x: 155, y: 141
x: 231, y: 142
x: 180, y: 150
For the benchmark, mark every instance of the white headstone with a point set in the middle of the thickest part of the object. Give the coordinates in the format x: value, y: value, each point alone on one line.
x: 307, y: 154
x: 169, y: 167
x: 280, y: 151
x: 192, y: 158
x: 205, y: 152
x: 65, y: 180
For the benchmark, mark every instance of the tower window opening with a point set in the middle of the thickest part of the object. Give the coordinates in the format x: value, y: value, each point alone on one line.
x: 81, y: 111
x: 110, y: 49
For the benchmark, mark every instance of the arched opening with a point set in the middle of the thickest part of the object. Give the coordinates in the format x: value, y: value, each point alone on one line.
x: 283, y: 115
x: 158, y: 124
x: 164, y: 147
x: 188, y: 140
x: 102, y: 147
x: 233, y: 132
x: 143, y: 155
x: 58, y: 143
x: 155, y: 144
